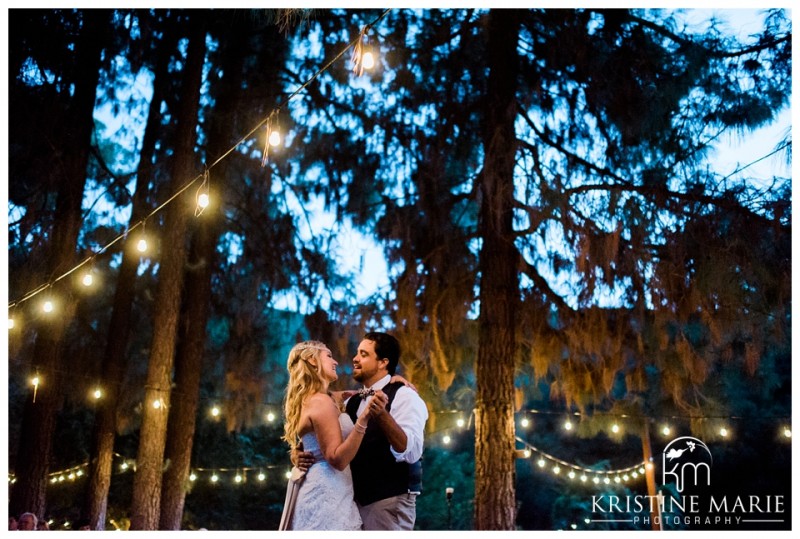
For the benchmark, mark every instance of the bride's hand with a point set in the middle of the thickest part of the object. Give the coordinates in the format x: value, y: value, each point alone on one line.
x: 398, y: 378
x: 376, y: 404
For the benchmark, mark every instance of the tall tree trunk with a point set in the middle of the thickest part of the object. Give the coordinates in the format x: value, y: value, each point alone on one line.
x: 115, y: 356
x: 495, y: 499
x: 146, y: 500
x: 39, y: 415
x: 650, y: 477
x: 188, y: 369
x: 196, y: 303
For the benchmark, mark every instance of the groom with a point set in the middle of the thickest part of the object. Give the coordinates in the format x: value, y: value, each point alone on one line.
x: 387, y: 472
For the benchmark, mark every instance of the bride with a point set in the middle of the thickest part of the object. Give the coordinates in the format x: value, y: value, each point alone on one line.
x: 325, y: 496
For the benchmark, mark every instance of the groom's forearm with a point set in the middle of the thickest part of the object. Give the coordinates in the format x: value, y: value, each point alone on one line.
x: 394, y: 433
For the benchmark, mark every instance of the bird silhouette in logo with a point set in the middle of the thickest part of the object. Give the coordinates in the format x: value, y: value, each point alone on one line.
x: 675, y: 453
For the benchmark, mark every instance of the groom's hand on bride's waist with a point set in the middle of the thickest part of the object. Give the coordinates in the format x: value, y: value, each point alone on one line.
x: 301, y: 459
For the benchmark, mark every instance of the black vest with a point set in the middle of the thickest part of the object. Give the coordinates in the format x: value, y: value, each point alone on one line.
x: 376, y: 473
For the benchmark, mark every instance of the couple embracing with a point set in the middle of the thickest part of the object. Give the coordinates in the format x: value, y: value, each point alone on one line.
x: 362, y: 464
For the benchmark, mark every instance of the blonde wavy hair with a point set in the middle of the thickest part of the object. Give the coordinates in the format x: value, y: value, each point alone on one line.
x: 305, y: 379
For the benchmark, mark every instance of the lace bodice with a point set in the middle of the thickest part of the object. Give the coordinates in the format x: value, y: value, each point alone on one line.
x: 325, y: 499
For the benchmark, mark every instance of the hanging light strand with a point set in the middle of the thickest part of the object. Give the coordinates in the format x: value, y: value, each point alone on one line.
x: 190, y: 183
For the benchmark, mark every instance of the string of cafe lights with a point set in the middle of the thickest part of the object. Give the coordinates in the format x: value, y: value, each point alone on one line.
x: 544, y: 462
x: 665, y: 424
x: 616, y: 421
x: 362, y: 58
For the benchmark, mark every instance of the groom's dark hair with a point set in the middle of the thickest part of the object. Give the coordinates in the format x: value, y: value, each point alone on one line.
x: 386, y: 347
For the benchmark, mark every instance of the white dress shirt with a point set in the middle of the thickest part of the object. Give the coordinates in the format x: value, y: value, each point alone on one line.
x: 410, y: 412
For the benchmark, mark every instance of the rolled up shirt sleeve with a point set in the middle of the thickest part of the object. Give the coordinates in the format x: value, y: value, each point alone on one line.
x: 410, y: 413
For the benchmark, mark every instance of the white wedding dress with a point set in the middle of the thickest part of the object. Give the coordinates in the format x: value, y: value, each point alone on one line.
x: 325, y: 498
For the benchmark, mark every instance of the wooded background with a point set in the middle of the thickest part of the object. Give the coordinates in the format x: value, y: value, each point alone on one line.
x: 559, y: 245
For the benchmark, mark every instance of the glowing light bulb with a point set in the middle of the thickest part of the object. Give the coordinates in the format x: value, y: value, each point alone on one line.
x: 571, y: 475
x: 97, y: 393
x: 787, y: 432
x: 274, y: 138
x: 262, y: 476
x: 141, y: 245
x: 87, y: 279
x: 583, y: 478
x: 649, y: 466
x: 460, y: 422
x: 568, y: 425
x: 606, y: 480
x: 723, y: 432
x: 35, y: 381
x: 368, y: 60
x: 157, y: 404
x: 203, y: 200
x: 238, y: 478
x: 288, y: 474
x: 525, y: 422
x: 214, y: 478
x: 617, y: 479
x: 556, y: 470
x: 541, y: 463
x: 270, y: 417
x: 215, y: 411
x: 615, y: 428
x: 48, y: 306
x: 192, y: 476
x: 527, y: 453
x: 666, y: 430
x: 10, y: 323
x: 446, y: 439
x: 595, y: 480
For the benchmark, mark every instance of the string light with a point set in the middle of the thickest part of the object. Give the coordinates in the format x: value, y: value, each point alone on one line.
x: 568, y: 425
x: 723, y: 432
x: 460, y: 422
x: 270, y: 417
x: 787, y: 432
x: 525, y: 422
x: 573, y: 470
x: 275, y: 138
x: 202, y: 195
x: 48, y: 306
x: 665, y: 430
x: 97, y: 393
x: 192, y: 476
x: 446, y: 439
x: 368, y: 60
x: 214, y: 478
x: 615, y: 428
x: 35, y: 383
x: 10, y: 323
x: 141, y: 244
x: 215, y: 411
x: 262, y: 476
x: 87, y: 280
